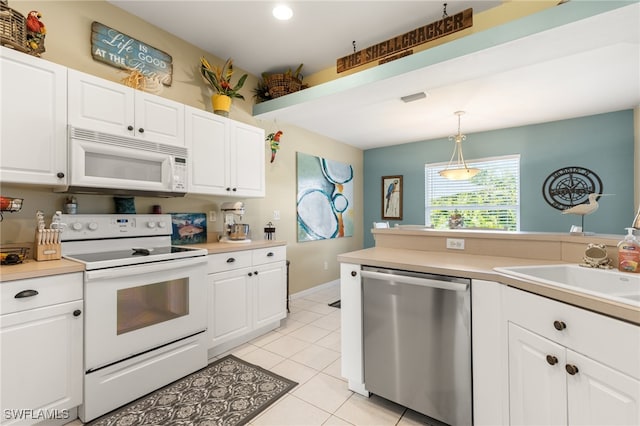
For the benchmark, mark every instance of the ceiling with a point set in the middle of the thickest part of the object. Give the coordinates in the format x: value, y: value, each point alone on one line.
x: 583, y: 68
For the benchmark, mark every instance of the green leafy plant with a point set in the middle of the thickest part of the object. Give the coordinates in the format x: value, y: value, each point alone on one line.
x: 220, y: 78
x: 261, y: 91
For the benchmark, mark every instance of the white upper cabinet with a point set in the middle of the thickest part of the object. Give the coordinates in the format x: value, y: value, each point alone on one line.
x: 206, y: 137
x: 227, y: 157
x: 109, y: 107
x: 247, y: 147
x: 33, y: 134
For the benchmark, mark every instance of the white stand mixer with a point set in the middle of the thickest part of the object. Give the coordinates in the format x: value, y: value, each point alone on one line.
x: 235, y: 232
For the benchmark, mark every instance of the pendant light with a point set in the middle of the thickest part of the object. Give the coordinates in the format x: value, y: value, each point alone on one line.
x: 460, y: 171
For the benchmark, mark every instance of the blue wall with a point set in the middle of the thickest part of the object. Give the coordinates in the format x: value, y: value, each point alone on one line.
x: 602, y: 143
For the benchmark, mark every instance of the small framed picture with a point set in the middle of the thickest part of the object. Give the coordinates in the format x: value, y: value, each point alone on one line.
x: 392, y: 197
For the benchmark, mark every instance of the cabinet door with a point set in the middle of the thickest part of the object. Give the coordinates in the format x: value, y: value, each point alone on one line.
x: 599, y: 395
x: 100, y: 105
x: 247, y: 148
x: 158, y: 119
x: 206, y: 137
x: 41, y: 359
x: 270, y: 293
x: 229, y: 306
x: 33, y: 133
x: 537, y: 385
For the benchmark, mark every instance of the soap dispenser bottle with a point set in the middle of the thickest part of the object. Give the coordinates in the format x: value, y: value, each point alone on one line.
x: 629, y: 253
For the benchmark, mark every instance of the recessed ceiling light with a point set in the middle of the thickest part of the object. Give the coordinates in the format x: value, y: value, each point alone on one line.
x: 282, y: 12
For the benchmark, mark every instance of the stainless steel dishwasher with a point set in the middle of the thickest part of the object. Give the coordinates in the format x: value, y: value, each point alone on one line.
x: 417, y: 341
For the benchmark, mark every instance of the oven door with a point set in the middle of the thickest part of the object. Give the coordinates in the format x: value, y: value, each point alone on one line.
x: 133, y: 309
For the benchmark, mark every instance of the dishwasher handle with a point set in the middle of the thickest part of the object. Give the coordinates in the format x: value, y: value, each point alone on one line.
x: 425, y: 282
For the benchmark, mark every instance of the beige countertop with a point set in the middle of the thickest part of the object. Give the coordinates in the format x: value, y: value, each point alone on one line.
x: 32, y: 269
x: 481, y: 267
x: 225, y: 247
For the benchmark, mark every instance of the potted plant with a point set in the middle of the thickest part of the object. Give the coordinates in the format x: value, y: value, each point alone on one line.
x: 220, y: 80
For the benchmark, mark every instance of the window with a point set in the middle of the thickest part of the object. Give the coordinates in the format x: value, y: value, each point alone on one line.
x: 491, y: 199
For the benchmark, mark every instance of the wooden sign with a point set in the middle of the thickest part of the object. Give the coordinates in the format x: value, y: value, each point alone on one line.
x: 394, y: 46
x: 121, y: 51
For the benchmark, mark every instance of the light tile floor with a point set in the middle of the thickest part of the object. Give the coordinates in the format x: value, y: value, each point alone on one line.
x: 306, y: 349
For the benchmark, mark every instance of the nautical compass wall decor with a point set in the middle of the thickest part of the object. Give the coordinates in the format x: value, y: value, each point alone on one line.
x: 570, y: 186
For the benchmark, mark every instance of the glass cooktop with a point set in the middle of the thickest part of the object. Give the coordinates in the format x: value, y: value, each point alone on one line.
x: 134, y: 255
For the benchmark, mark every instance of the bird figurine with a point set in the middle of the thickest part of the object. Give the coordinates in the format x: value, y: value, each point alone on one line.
x: 274, y: 143
x: 36, y: 32
x: 585, y: 208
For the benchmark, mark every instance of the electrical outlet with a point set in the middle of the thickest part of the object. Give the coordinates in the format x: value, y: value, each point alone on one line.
x: 326, y: 265
x: 276, y: 215
x: 213, y: 216
x: 455, y: 243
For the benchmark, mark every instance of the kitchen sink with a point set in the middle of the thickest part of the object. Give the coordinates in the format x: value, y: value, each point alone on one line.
x: 608, y: 284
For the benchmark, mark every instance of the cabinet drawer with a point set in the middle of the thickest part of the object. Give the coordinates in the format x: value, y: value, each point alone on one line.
x: 50, y: 291
x: 228, y: 261
x: 608, y: 340
x: 268, y: 255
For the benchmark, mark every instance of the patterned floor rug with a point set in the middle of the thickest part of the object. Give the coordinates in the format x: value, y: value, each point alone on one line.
x: 228, y: 392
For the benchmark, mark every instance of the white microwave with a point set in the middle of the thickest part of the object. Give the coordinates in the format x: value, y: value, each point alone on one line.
x: 105, y: 163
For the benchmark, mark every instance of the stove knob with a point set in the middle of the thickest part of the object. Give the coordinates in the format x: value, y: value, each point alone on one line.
x: 76, y: 226
x: 162, y: 225
x: 151, y: 225
x: 93, y: 226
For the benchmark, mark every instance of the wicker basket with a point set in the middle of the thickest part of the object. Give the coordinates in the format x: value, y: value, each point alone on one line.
x: 13, y: 28
x: 282, y: 84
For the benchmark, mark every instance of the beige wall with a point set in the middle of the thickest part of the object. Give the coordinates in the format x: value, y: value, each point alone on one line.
x: 68, y: 43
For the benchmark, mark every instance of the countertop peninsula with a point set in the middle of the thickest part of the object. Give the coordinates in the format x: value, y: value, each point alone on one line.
x: 417, y: 250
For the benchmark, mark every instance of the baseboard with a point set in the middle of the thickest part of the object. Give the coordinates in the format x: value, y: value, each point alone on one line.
x: 228, y: 346
x: 314, y: 289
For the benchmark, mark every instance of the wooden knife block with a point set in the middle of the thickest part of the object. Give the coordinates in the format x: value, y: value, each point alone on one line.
x: 46, y: 251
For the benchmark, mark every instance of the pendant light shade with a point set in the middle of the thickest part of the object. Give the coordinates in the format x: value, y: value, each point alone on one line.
x: 459, y: 170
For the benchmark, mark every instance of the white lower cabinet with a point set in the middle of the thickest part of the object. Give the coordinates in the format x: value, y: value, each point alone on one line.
x: 569, y: 366
x: 41, y: 343
x: 229, y: 306
x: 536, y: 379
x: 247, y: 295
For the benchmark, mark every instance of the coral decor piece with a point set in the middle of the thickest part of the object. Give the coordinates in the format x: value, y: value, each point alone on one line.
x: 36, y: 32
x: 274, y: 143
x: 137, y: 80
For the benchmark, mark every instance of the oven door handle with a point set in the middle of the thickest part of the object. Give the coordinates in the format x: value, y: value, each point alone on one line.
x: 145, y: 268
x: 424, y: 282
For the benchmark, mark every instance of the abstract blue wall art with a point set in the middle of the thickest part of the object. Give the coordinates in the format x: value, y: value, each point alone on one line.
x: 325, y: 198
